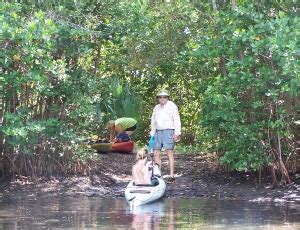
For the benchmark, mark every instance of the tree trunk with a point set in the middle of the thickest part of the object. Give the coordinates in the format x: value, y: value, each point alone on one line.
x: 233, y: 4
x: 222, y: 61
x: 273, y: 175
x: 1, y: 114
x: 214, y: 5
x: 283, y: 169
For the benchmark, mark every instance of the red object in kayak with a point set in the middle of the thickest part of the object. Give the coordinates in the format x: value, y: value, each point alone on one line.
x: 123, y: 147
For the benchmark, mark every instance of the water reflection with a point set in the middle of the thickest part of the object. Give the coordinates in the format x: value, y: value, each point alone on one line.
x: 95, y: 213
x: 147, y: 216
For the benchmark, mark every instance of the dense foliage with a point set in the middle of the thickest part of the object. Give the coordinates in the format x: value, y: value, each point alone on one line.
x: 231, y: 67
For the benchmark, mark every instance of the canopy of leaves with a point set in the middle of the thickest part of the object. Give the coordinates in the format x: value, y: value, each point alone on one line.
x: 232, y: 69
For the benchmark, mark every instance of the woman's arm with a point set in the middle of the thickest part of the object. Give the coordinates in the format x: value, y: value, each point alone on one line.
x: 146, y: 175
x: 111, y: 133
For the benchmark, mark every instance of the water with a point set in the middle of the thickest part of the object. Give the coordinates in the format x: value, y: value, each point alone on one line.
x: 171, y: 213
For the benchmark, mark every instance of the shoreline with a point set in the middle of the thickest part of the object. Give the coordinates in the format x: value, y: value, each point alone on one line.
x: 196, y: 176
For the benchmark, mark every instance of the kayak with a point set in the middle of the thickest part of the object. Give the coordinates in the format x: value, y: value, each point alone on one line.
x: 143, y: 194
x: 123, y: 147
x: 102, y: 147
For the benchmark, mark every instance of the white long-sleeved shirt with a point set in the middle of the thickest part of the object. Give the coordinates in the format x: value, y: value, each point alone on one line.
x: 165, y: 117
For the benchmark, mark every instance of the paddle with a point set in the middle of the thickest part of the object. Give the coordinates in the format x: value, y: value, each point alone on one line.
x: 151, y: 146
x: 151, y: 151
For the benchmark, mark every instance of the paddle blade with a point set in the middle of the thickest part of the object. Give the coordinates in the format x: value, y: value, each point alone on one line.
x: 151, y: 145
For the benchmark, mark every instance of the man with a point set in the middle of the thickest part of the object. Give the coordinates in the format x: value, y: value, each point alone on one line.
x: 166, y: 128
x: 124, y: 127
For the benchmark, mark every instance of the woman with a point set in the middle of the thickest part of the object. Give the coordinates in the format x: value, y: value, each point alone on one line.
x: 140, y: 170
x: 124, y: 127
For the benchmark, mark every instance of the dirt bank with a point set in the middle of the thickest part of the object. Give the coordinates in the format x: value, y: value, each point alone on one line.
x: 196, y: 175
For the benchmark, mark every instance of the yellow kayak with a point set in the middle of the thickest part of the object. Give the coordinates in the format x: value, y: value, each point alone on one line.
x: 102, y: 147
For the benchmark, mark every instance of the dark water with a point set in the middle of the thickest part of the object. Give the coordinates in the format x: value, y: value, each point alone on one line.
x: 96, y: 213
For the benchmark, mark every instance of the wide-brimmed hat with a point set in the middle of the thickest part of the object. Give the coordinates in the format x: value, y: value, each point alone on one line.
x: 163, y: 93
